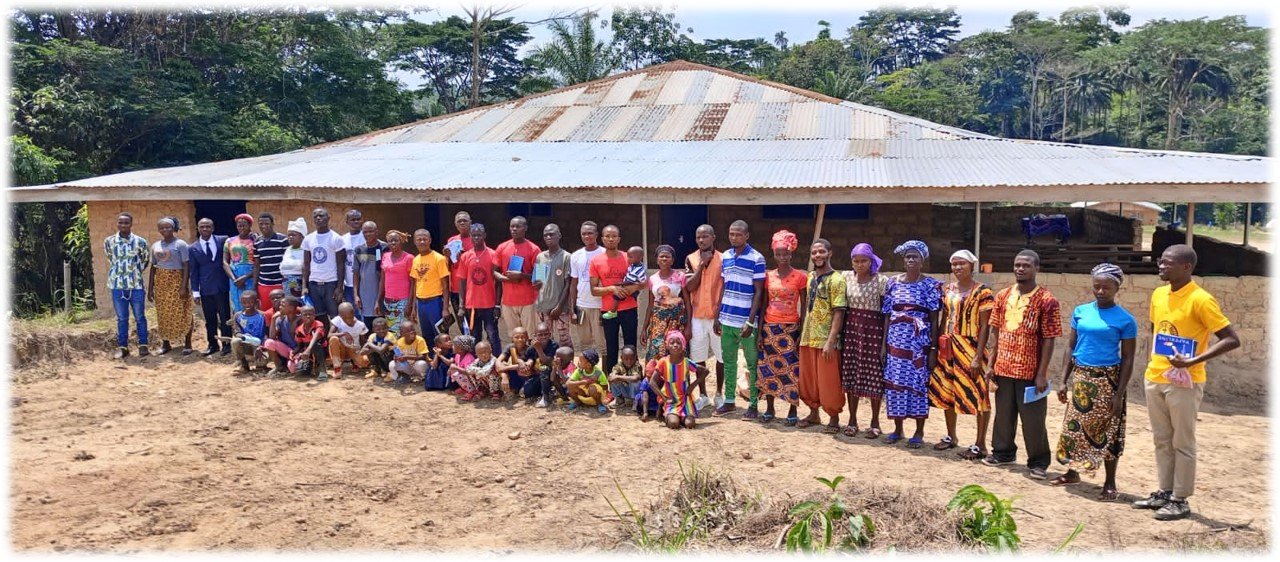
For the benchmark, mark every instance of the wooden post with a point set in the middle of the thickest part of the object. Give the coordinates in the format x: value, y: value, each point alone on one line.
x: 1191, y: 221
x: 977, y: 230
x: 644, y: 230
x: 1248, y: 210
x: 817, y: 227
x: 66, y: 287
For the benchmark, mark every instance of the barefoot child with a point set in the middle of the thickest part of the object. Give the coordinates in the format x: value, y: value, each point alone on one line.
x: 310, y: 350
x: 636, y: 278
x: 280, y: 343
x: 344, y: 341
x: 438, y: 366
x: 378, y: 350
x: 249, y: 329
x: 543, y: 380
x: 561, y: 368
x: 411, y: 354
x: 675, y: 376
x: 624, y: 380
x: 588, y: 385
x: 463, y: 357
x: 512, y: 369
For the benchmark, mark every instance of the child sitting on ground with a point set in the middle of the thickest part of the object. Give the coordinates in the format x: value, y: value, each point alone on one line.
x: 463, y: 356
x: 544, y: 381
x: 512, y: 369
x: 411, y: 354
x: 480, y: 377
x: 624, y: 380
x: 249, y: 329
x: 562, y: 366
x: 311, y: 346
x: 588, y: 385
x: 378, y: 350
x: 637, y: 276
x: 674, y: 376
x: 438, y: 367
x: 344, y: 340
x: 280, y: 343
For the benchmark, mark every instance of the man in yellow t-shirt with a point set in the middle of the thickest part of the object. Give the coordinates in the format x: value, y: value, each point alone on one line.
x: 429, y: 300
x: 1185, y: 310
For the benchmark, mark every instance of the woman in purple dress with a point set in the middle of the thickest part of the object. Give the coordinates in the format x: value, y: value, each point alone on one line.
x: 911, y: 303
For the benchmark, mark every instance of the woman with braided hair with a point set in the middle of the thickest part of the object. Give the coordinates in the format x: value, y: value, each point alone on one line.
x: 1102, y: 342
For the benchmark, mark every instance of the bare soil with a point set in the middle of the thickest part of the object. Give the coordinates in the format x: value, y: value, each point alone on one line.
x: 173, y: 453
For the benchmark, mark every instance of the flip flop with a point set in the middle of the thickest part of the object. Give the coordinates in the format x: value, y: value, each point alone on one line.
x: 915, y: 442
x: 1062, y: 480
x: 973, y: 453
x: 851, y: 431
x: 804, y: 423
x: 872, y: 433
x: 891, y: 438
x: 1108, y: 495
x: 831, y: 430
x: 766, y: 418
x: 792, y: 421
x: 944, y: 444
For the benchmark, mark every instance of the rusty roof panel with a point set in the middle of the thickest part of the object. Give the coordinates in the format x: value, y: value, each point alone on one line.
x: 647, y: 91
x: 535, y: 125
x: 707, y: 125
x: 566, y: 123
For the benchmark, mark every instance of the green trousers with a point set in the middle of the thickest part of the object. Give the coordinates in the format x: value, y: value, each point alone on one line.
x: 731, y: 341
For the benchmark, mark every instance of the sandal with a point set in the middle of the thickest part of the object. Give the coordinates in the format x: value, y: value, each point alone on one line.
x: 872, y: 433
x: 851, y: 431
x: 831, y: 429
x: 766, y: 418
x: 945, y: 443
x: 915, y: 442
x: 804, y: 423
x: 1062, y: 480
x: 792, y: 421
x: 973, y: 453
x: 1108, y: 495
x: 891, y: 438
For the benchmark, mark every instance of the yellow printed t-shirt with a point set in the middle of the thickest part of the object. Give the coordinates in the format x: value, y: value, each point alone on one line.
x: 1190, y: 312
x: 428, y: 271
x: 417, y: 347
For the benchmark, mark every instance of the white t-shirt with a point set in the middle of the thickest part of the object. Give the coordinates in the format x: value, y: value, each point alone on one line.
x: 578, y: 263
x: 324, y: 251
x: 351, y: 241
x: 291, y: 262
x: 349, y: 334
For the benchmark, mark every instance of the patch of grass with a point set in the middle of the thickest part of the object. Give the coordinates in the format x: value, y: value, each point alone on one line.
x: 704, y: 503
x: 1232, y: 538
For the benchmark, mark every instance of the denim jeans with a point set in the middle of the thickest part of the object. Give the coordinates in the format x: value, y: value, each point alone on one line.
x: 123, y: 301
x: 322, y: 299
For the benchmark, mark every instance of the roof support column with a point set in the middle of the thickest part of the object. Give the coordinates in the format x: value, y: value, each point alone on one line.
x: 1248, y: 211
x: 644, y: 230
x: 977, y: 230
x: 817, y: 227
x: 1191, y: 222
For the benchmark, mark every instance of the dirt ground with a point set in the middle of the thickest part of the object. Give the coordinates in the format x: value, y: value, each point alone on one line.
x: 173, y: 453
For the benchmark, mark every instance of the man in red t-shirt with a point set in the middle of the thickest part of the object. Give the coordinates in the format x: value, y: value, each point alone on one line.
x: 518, y: 292
x: 461, y: 243
x: 480, y: 289
x: 606, y: 271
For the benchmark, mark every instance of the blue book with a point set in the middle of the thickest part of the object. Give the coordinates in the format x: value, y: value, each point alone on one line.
x: 540, y: 272
x: 1029, y: 395
x: 1170, y: 345
x: 516, y: 264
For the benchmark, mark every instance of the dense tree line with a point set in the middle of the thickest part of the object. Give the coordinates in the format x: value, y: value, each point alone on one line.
x: 103, y: 91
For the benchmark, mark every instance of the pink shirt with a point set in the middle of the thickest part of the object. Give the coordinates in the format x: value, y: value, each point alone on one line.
x: 667, y: 291
x: 395, y: 275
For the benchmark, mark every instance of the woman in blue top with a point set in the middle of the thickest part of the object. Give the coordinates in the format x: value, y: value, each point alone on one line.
x: 1102, y: 342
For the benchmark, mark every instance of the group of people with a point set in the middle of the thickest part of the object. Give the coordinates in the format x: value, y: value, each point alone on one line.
x: 309, y: 299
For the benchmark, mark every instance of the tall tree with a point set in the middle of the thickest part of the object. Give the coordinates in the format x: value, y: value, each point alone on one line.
x: 574, y: 53
x: 646, y: 35
x: 910, y: 35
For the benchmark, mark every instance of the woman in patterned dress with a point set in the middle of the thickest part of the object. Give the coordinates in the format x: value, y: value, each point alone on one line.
x: 169, y: 287
x: 238, y: 258
x: 1102, y: 342
x: 862, y: 351
x: 668, y: 305
x: 958, y: 384
x: 780, y: 331
x: 911, y: 303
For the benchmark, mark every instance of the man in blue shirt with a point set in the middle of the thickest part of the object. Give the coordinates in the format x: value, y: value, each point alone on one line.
x: 743, y: 270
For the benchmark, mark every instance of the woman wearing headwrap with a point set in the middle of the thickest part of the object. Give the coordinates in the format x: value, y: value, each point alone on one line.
x: 780, y: 332
x: 1102, y: 342
x: 668, y: 305
x: 238, y: 258
x: 911, y: 304
x: 291, y: 263
x: 169, y: 288
x: 862, y: 348
x: 958, y: 384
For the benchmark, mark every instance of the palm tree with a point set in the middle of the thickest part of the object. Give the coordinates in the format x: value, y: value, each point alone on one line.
x: 574, y: 54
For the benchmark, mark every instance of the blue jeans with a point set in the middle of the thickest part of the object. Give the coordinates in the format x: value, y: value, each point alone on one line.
x: 123, y: 300
x: 322, y: 298
x: 429, y: 312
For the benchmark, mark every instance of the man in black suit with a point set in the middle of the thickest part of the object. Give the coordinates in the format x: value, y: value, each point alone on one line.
x: 210, y: 285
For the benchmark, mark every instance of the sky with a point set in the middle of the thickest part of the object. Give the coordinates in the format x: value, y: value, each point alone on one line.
x: 745, y: 19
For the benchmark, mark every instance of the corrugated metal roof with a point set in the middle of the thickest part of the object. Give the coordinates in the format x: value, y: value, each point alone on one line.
x: 682, y: 125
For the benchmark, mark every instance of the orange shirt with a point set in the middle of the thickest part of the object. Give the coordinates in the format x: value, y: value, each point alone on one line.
x: 706, y: 300
x: 784, y: 296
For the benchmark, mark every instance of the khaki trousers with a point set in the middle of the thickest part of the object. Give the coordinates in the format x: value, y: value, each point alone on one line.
x: 1173, y: 427
x: 588, y: 334
x: 516, y: 317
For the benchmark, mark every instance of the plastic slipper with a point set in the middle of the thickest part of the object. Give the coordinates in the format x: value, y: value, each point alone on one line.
x: 851, y: 431
x: 1062, y: 480
x: 792, y: 420
x: 945, y: 443
x: 973, y: 453
x: 602, y: 409
x: 573, y: 406
x: 830, y: 429
x: 891, y: 438
x: 804, y: 423
x: 766, y: 418
x: 1108, y: 495
x: 872, y: 433
x: 915, y: 442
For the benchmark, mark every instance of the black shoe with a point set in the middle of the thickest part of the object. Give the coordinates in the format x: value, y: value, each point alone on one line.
x: 209, y: 350
x: 121, y: 352
x: 1173, y: 510
x: 143, y: 351
x: 1156, y: 500
x: 226, y: 350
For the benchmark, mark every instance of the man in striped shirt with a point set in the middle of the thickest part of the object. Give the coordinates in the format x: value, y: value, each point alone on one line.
x: 743, y: 270
x: 269, y: 251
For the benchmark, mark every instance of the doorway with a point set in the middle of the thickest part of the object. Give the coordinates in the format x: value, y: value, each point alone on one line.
x: 222, y: 212
x: 678, y: 223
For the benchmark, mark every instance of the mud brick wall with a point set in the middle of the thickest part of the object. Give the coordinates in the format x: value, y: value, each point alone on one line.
x: 102, y: 223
